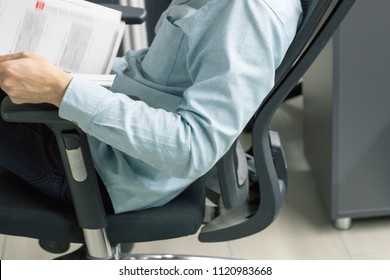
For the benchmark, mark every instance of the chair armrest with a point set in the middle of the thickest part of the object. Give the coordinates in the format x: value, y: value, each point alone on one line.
x: 30, y: 113
x: 73, y: 146
x: 130, y: 15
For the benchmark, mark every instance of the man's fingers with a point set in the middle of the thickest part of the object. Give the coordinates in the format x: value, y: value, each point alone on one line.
x: 13, y: 56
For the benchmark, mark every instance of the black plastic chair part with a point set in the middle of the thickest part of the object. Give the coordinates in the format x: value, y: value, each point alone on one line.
x: 319, y: 21
x: 154, y: 10
x: 242, y: 208
x: 130, y: 15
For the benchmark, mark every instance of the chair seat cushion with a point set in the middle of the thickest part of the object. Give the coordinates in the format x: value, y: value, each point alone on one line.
x: 27, y: 212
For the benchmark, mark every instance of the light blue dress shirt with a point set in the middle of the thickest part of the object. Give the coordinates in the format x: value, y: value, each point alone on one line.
x: 209, y: 68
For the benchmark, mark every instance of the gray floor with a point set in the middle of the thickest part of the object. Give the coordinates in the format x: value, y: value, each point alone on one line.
x: 301, y: 232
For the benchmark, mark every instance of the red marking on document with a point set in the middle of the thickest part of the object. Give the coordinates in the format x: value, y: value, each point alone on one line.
x: 40, y: 5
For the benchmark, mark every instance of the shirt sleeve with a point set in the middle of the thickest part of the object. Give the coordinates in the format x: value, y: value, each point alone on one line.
x: 234, y: 49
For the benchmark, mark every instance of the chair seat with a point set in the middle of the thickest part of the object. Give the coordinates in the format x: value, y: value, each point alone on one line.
x: 35, y: 211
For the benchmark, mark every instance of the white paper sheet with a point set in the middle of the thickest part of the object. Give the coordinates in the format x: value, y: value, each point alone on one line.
x: 102, y: 80
x: 76, y: 35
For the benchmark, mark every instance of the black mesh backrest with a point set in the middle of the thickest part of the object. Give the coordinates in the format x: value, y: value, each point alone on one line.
x: 313, y: 11
x: 317, y: 21
x: 320, y: 20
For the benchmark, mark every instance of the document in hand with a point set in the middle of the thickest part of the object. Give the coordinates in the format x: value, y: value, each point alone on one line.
x: 76, y: 35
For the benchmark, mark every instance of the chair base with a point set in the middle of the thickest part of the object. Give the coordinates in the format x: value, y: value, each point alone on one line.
x: 79, y: 254
x: 54, y: 247
x: 166, y: 257
x: 123, y: 253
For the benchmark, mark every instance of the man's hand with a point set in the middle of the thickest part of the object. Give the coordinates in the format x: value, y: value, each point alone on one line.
x: 29, y: 78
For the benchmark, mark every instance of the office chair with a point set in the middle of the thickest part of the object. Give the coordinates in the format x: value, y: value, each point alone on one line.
x: 241, y: 209
x: 154, y: 10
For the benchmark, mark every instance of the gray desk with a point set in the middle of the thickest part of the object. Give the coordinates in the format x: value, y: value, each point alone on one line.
x: 347, y: 116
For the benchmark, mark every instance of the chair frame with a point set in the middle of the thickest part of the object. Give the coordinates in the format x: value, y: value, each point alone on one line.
x: 236, y: 215
x: 314, y: 33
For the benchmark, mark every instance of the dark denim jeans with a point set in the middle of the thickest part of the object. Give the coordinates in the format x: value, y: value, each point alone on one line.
x: 30, y: 151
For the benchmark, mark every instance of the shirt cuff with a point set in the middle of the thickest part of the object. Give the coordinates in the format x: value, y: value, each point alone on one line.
x: 81, y: 101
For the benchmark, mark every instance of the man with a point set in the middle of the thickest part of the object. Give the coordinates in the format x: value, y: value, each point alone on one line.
x: 211, y: 64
